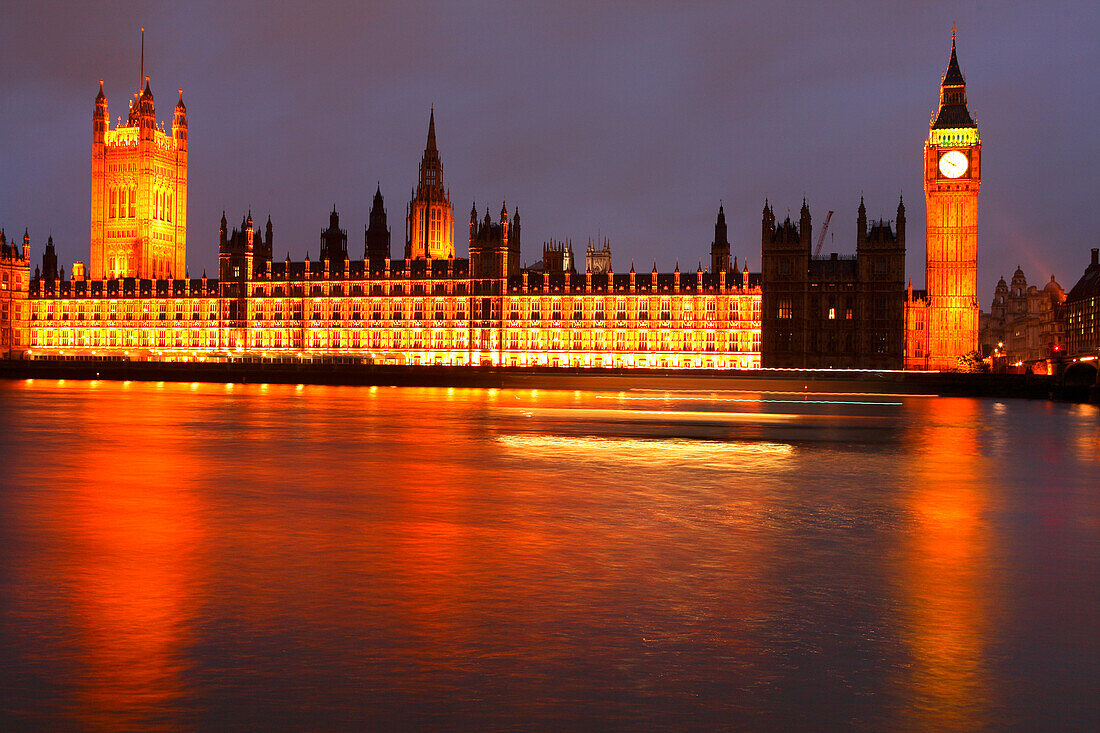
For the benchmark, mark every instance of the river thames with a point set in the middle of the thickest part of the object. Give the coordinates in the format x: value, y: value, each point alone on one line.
x: 249, y: 556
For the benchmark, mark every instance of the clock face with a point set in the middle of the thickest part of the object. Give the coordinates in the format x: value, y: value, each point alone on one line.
x: 953, y: 164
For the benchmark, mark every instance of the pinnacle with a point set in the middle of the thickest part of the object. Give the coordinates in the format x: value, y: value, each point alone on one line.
x: 431, y: 130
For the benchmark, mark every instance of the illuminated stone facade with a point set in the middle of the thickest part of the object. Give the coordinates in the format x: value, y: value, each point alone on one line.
x: 405, y: 312
x: 139, y: 192
x: 417, y: 310
x: 952, y: 179
x: 14, y: 280
x: 833, y: 312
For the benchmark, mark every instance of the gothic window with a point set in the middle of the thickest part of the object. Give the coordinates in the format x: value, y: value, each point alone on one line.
x: 783, y: 308
x: 114, y: 203
x: 170, y: 199
x: 133, y: 202
x: 666, y: 310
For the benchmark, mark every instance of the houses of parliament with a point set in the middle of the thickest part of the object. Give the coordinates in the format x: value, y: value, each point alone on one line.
x: 135, y: 300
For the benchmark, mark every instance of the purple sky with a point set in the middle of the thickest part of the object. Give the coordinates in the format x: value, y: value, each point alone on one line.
x: 632, y: 120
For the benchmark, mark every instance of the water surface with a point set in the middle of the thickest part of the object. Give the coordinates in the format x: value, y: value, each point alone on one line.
x: 178, y: 555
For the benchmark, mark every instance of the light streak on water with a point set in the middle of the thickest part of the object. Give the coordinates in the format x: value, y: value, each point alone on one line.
x: 738, y: 399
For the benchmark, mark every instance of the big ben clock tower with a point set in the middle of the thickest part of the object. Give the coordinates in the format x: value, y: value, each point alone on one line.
x: 952, y: 177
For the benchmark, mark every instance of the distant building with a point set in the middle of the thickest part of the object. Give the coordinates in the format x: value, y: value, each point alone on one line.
x: 598, y: 261
x: 14, y: 280
x: 833, y: 312
x: 1082, y: 312
x: 1024, y: 323
x: 557, y: 256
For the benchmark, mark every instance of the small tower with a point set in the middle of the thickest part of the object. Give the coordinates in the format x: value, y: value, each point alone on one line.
x: 334, y: 241
x: 262, y: 249
x: 376, y: 239
x: 492, y: 253
x: 139, y: 190
x: 49, y: 259
x: 720, y: 247
x: 429, y: 224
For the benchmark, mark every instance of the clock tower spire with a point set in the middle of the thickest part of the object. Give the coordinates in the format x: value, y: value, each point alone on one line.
x: 952, y: 179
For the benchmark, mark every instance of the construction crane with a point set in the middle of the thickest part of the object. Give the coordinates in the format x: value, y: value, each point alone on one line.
x: 821, y: 238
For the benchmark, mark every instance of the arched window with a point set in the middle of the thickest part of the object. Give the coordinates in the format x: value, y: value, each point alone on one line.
x: 170, y: 207
x: 114, y: 203
x: 133, y: 201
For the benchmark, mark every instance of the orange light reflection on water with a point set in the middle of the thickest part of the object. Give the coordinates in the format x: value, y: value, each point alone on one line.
x: 125, y: 536
x: 946, y: 592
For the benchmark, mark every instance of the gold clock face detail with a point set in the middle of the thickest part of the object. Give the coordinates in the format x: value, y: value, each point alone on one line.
x: 953, y: 164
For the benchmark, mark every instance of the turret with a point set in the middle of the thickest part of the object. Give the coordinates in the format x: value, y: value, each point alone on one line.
x: 179, y: 124
x: 268, y: 236
x: 377, y: 237
x: 146, y: 113
x: 901, y: 220
x: 222, y: 232
x: 767, y: 222
x: 805, y: 227
x: 861, y: 222
x: 100, y: 119
x: 334, y: 240
x: 720, y: 247
x: 49, y: 258
x: 513, y: 231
